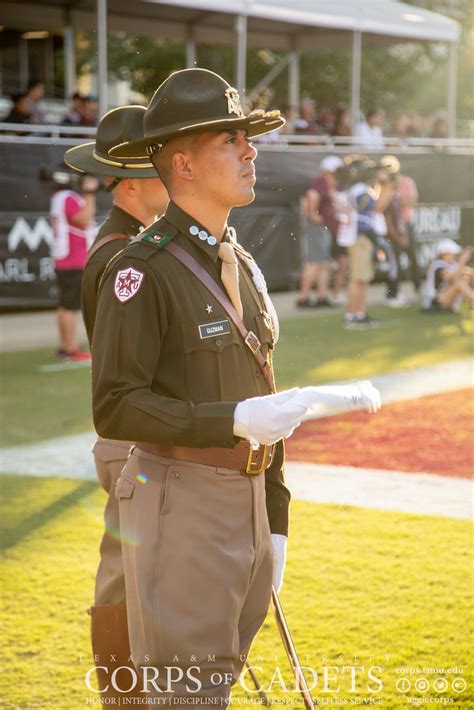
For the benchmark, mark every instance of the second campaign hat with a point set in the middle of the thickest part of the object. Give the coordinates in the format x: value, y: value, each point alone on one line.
x: 120, y: 124
x: 193, y: 100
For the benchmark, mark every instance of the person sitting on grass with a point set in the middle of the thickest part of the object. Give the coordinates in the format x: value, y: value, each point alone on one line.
x: 448, y: 280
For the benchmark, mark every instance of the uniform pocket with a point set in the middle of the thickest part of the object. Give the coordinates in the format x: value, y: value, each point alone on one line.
x: 210, y: 362
x: 124, y: 488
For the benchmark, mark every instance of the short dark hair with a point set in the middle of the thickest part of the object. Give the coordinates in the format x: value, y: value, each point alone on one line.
x: 161, y: 160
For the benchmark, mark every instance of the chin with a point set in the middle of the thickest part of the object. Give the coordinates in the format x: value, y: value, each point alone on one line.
x: 245, y: 198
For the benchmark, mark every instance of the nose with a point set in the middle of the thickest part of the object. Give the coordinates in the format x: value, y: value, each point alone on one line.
x: 250, y: 152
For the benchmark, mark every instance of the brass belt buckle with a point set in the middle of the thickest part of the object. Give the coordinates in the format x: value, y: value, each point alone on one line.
x: 253, y: 468
x: 252, y: 342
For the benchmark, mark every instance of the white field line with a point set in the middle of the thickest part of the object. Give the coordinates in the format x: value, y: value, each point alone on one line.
x: 57, y: 367
x: 404, y: 492
x: 70, y: 457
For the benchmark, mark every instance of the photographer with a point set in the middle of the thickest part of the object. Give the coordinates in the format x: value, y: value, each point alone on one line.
x: 72, y: 219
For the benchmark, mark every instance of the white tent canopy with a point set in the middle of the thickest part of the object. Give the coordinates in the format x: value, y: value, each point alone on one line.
x: 288, y: 26
x: 381, y: 17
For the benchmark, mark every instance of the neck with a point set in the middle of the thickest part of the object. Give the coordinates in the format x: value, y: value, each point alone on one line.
x: 135, y: 209
x: 212, y: 216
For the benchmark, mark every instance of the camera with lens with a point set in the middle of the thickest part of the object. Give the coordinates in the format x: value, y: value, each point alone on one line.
x: 80, y: 182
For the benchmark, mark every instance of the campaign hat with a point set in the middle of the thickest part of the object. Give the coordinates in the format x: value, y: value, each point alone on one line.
x: 118, y: 125
x: 194, y: 101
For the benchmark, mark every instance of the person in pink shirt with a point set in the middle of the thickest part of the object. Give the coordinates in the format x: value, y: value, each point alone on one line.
x: 74, y: 229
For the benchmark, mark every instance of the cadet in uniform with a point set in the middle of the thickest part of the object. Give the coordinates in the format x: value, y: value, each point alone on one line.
x: 182, y: 366
x: 138, y: 197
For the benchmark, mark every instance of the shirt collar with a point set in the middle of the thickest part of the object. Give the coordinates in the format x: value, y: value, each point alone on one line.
x: 128, y: 223
x: 191, y: 228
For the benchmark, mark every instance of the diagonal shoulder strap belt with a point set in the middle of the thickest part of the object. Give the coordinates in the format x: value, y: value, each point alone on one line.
x: 249, y: 338
x: 116, y: 236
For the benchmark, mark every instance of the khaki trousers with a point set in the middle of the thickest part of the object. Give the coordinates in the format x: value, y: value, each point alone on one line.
x: 110, y: 457
x: 198, y: 564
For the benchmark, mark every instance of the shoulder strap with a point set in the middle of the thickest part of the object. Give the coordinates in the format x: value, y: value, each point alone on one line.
x: 116, y: 236
x: 249, y: 338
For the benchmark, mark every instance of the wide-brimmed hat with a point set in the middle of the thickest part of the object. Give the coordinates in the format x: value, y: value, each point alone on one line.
x: 119, y: 125
x: 390, y: 163
x: 448, y: 246
x: 330, y: 164
x: 193, y: 101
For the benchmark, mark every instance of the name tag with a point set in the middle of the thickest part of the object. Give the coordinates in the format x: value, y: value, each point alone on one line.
x: 210, y: 330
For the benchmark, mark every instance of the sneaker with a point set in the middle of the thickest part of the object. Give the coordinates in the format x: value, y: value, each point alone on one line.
x: 324, y: 303
x: 359, y: 322
x: 339, y: 299
x: 397, y: 302
x: 75, y: 356
x: 305, y: 303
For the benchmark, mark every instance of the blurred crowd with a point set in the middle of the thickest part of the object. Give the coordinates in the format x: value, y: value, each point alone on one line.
x: 356, y: 221
x: 336, y: 121
x: 26, y: 108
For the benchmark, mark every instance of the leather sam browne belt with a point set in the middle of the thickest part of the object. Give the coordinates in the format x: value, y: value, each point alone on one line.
x: 242, y: 457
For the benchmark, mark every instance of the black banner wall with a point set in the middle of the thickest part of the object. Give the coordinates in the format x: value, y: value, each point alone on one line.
x: 269, y: 227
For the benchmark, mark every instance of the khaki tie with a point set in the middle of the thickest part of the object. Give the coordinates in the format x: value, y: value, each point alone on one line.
x: 230, y: 275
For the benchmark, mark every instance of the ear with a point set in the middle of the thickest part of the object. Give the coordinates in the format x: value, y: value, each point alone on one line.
x: 129, y: 186
x: 182, y: 165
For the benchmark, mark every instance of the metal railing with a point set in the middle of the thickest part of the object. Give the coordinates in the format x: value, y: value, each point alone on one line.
x: 59, y: 134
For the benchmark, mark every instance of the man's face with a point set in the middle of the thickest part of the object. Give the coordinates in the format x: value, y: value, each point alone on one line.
x: 152, y: 195
x: 223, y: 168
x: 331, y: 179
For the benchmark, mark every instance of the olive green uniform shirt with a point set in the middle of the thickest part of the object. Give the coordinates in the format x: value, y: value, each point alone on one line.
x: 117, y: 221
x: 169, y: 366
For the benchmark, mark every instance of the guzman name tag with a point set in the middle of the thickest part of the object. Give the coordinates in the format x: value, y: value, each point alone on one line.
x: 210, y: 330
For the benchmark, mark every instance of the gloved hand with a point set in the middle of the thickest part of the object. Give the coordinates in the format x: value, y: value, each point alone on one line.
x: 265, y: 420
x: 361, y: 395
x: 279, y: 559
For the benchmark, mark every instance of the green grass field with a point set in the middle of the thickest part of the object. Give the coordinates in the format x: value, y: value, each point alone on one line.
x: 362, y: 588
x: 41, y: 405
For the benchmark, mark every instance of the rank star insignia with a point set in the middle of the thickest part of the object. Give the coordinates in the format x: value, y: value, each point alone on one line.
x: 233, y: 101
x: 209, y: 309
x: 127, y: 283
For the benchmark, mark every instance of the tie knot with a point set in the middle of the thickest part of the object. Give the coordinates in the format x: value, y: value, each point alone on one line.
x: 227, y: 253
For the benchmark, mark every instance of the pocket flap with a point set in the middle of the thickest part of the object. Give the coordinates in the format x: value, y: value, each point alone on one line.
x: 124, y: 488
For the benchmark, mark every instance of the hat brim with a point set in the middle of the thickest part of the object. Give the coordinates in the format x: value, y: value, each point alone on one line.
x: 81, y: 158
x: 255, y: 125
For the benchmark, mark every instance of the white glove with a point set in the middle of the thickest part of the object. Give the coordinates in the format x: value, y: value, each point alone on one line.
x: 265, y: 420
x: 279, y: 559
x: 361, y: 395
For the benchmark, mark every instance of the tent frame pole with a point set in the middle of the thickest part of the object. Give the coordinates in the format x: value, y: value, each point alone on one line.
x: 452, y: 88
x: 69, y: 59
x: 294, y: 80
x: 191, y: 50
x: 102, y: 89
x: 355, y: 78
x: 241, y: 54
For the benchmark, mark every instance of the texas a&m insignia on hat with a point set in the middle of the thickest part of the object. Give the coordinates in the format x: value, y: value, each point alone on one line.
x: 128, y: 283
